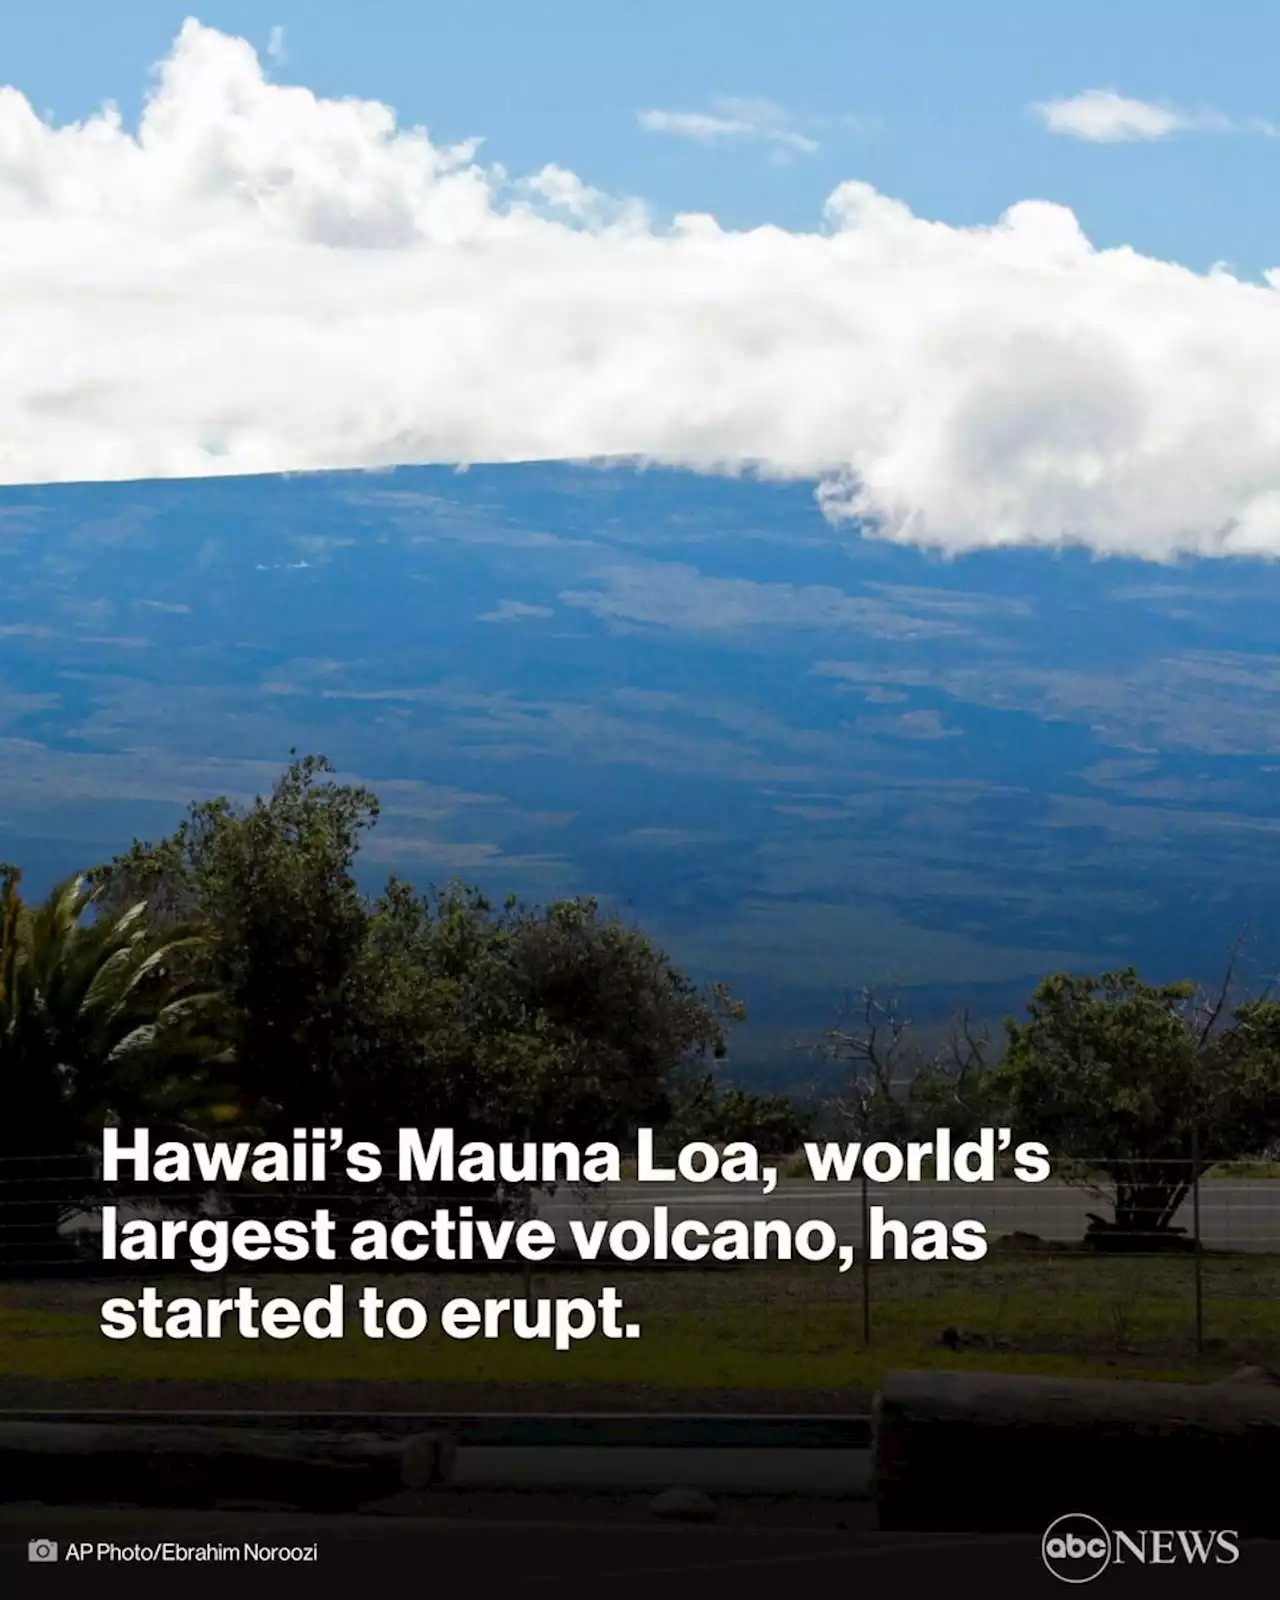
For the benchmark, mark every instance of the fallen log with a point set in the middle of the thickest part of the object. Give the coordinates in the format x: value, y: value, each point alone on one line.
x: 174, y: 1465
x: 988, y: 1453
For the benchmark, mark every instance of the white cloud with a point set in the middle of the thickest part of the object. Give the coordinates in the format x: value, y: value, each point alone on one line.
x: 275, y: 43
x: 693, y: 125
x: 264, y: 281
x: 1102, y: 116
x: 514, y: 611
x: 735, y: 119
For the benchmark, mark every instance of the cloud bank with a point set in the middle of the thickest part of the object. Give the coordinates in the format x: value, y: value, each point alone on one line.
x: 264, y: 281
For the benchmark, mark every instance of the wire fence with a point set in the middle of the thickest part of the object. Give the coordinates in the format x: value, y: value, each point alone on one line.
x: 1157, y: 1260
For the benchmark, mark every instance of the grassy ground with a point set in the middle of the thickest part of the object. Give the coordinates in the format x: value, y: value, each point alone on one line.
x: 782, y: 1330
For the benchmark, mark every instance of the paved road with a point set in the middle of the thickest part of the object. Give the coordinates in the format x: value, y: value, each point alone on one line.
x: 1235, y: 1215
x: 825, y: 1473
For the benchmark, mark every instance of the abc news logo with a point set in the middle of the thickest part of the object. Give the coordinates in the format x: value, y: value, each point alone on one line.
x: 1077, y: 1548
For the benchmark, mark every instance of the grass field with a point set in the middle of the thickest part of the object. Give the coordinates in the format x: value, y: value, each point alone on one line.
x: 763, y: 1328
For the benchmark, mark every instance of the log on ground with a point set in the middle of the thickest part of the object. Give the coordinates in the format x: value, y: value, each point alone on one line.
x: 159, y: 1464
x: 990, y: 1453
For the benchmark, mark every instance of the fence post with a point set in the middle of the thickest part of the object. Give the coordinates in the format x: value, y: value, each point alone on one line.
x: 866, y: 1267
x: 1195, y: 1224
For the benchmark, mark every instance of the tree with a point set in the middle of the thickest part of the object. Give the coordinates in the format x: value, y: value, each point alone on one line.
x: 519, y: 1023
x: 437, y: 1009
x: 97, y: 1024
x: 901, y: 1088
x: 285, y: 925
x: 628, y: 1024
x: 1148, y: 1085
x: 718, y: 1114
x: 449, y: 1043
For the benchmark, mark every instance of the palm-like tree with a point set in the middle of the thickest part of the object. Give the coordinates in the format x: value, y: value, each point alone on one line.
x: 101, y: 1021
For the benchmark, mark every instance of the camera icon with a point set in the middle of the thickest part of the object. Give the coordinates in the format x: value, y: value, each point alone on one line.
x: 42, y: 1550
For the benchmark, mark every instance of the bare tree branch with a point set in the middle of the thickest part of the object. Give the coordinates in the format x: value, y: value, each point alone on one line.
x: 1210, y: 1014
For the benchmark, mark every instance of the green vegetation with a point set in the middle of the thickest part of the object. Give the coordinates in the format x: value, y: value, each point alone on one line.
x: 100, y: 1020
x: 234, y: 976
x: 763, y: 1328
x: 1151, y: 1085
x: 1137, y: 1088
x: 414, y: 1009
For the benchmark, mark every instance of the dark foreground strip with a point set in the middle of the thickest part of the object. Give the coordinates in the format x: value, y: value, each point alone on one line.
x: 987, y: 1452
x: 469, y: 1429
x: 150, y: 1463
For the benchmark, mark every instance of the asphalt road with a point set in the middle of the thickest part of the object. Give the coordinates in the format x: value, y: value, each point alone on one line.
x: 1234, y: 1215
x: 825, y: 1473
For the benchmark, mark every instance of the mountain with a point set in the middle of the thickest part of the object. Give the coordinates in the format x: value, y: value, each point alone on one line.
x: 802, y: 758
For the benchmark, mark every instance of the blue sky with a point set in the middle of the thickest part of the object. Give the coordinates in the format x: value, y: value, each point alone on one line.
x: 942, y: 88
